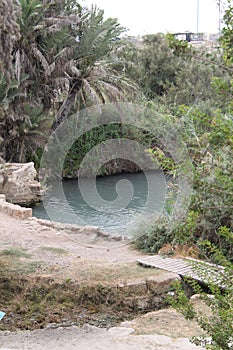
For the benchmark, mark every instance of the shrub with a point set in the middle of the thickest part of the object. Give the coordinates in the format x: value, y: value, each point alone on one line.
x: 218, y: 324
x: 151, y: 235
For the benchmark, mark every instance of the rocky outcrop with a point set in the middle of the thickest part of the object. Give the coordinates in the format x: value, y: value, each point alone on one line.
x: 18, y: 184
x: 13, y: 209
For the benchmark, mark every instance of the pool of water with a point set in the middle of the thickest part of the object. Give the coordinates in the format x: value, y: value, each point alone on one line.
x: 113, y: 203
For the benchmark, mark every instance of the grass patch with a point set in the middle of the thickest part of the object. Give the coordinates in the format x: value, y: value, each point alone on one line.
x: 15, y: 266
x: 27, y: 268
x: 15, y: 253
x: 54, y: 250
x: 12, y: 262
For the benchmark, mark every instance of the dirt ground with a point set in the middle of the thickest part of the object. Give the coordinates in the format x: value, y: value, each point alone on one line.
x: 92, y: 338
x: 60, y: 251
x: 87, y: 259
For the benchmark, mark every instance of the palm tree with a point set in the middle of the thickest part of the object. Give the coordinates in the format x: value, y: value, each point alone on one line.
x: 9, y: 33
x: 22, y: 122
x: 42, y: 39
x: 25, y: 103
x: 90, y: 72
x: 61, y: 63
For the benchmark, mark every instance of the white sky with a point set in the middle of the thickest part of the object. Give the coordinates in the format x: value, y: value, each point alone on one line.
x: 153, y: 16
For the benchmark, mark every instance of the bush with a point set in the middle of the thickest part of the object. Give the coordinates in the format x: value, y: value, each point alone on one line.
x: 210, y: 144
x: 218, y: 325
x: 150, y: 236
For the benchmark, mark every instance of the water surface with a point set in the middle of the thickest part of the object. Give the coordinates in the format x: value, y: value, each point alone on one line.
x: 133, y: 195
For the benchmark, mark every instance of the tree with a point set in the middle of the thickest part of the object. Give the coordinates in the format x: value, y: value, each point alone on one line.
x: 226, y: 38
x: 172, y: 72
x: 92, y: 77
x: 224, y: 86
x: 60, y: 64
x: 158, y: 66
x: 9, y: 34
x: 23, y: 106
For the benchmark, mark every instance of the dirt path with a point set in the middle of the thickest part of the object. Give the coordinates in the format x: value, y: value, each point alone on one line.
x: 85, y: 259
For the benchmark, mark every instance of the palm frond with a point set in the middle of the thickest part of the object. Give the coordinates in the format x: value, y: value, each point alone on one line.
x: 112, y: 92
x: 38, y: 54
x: 66, y: 52
x: 56, y: 24
x: 97, y: 35
x: 71, y: 68
x: 17, y: 65
x: 51, y: 68
x: 90, y: 92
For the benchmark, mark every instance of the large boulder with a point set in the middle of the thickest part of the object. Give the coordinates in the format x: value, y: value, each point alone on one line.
x: 18, y: 183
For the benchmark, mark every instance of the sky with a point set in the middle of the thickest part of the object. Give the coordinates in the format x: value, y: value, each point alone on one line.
x: 153, y: 16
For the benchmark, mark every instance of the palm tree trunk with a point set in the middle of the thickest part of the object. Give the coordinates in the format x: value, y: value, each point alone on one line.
x: 67, y: 105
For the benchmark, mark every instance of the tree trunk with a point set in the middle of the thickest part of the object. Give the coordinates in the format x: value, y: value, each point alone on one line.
x: 67, y: 105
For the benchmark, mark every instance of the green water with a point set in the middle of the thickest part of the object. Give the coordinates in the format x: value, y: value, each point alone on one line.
x: 116, y: 207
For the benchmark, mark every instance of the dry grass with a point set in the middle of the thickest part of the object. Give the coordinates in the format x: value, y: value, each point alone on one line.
x: 55, y: 250
x: 181, y: 250
x: 95, y: 297
x: 113, y: 274
x: 32, y: 303
x: 14, y: 261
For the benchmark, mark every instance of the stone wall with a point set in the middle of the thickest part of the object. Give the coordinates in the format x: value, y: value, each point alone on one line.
x: 14, y: 209
x: 18, y: 184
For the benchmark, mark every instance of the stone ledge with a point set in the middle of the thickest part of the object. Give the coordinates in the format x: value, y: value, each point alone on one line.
x: 68, y: 227
x: 158, y: 284
x: 76, y: 229
x: 14, y: 210
x: 137, y: 286
x: 163, y: 283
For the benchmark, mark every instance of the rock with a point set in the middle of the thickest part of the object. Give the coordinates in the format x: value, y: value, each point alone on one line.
x: 134, y: 286
x: 68, y: 227
x: 163, y: 283
x: 17, y: 182
x: 14, y: 209
x: 120, y: 331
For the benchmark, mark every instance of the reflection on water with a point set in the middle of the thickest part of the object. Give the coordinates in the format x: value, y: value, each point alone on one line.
x: 148, y: 197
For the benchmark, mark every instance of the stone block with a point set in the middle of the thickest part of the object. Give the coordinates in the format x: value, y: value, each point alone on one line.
x: 2, y: 197
x: 162, y: 283
x: 138, y: 287
x: 14, y: 209
x: 18, y: 182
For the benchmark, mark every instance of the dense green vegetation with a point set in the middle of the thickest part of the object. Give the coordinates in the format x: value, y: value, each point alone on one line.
x: 58, y: 58
x: 59, y: 64
x: 62, y: 58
